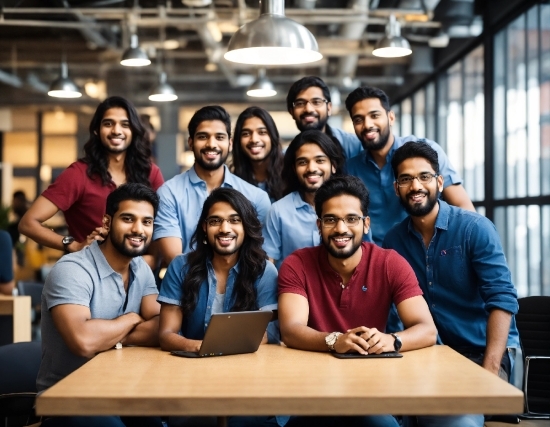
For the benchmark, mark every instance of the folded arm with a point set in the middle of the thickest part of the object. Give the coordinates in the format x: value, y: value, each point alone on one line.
x: 147, y: 332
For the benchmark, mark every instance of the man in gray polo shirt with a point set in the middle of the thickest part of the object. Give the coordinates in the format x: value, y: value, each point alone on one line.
x: 102, y: 297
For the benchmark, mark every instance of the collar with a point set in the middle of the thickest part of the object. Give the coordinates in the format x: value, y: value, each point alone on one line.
x: 104, y: 269
x: 394, y: 146
x: 329, y: 271
x: 210, y: 267
x: 228, y: 178
x: 298, y: 201
x: 442, y: 220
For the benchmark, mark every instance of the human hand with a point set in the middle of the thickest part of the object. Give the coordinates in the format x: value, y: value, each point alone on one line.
x: 352, y: 342
x: 377, y: 342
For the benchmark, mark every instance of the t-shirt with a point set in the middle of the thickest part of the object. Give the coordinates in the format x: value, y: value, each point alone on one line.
x: 381, y: 278
x: 82, y: 200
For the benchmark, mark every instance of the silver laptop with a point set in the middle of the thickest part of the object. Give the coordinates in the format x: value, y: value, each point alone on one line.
x: 232, y: 333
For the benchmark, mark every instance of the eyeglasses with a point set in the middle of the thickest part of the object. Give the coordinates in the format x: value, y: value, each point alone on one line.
x: 423, y: 178
x: 332, y: 221
x: 217, y: 221
x: 316, y: 102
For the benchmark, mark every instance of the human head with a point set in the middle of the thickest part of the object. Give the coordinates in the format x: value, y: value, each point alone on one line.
x: 413, y: 159
x: 343, y: 197
x: 19, y: 203
x: 327, y: 146
x: 309, y: 117
x: 130, y: 212
x: 209, y: 113
x: 240, y: 153
x: 370, y: 113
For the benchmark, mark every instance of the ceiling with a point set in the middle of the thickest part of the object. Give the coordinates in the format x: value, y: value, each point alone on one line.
x: 92, y: 35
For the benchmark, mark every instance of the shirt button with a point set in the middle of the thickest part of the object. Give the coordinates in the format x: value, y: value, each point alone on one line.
x: 429, y: 283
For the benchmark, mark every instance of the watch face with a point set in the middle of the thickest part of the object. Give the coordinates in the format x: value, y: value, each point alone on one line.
x: 67, y: 240
x: 397, y: 343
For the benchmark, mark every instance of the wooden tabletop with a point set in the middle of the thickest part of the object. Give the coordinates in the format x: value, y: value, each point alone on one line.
x: 19, y: 307
x: 277, y: 380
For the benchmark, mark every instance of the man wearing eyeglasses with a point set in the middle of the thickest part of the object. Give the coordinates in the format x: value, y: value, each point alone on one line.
x: 458, y: 259
x: 372, y: 118
x: 309, y: 103
x: 337, y: 296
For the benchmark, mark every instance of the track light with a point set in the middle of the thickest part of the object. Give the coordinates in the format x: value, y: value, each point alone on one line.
x: 64, y: 87
x: 392, y: 45
x: 262, y: 87
x: 134, y: 56
x: 162, y: 92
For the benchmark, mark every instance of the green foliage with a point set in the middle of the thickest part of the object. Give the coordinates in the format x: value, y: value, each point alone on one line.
x: 4, y: 217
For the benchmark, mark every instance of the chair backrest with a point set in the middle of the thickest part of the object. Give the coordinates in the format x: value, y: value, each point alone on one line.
x: 533, y: 323
x: 33, y: 289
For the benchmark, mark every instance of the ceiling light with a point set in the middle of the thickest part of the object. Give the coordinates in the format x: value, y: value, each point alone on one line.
x: 162, y: 92
x: 134, y: 56
x: 262, y: 87
x: 272, y: 39
x: 64, y: 87
x: 392, y: 45
x: 196, y: 3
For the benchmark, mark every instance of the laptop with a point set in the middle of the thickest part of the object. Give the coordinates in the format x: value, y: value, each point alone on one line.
x: 232, y: 333
x: 387, y: 355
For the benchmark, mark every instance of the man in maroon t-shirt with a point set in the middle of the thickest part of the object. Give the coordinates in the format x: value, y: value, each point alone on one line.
x: 337, y: 296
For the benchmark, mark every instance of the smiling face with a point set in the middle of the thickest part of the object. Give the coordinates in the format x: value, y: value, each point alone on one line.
x: 255, y: 140
x: 313, y: 167
x: 309, y: 116
x: 343, y: 241
x: 211, y: 145
x: 418, y: 199
x: 131, y: 227
x: 114, y: 130
x: 227, y: 237
x: 372, y: 123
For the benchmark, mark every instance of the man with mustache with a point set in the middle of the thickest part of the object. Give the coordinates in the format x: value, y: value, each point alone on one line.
x: 372, y: 118
x: 310, y: 159
x: 458, y: 259
x: 182, y: 197
x: 102, y: 297
x: 309, y: 103
x: 336, y: 296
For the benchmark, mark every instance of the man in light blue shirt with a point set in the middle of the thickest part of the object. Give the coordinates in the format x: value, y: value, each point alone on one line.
x: 372, y: 119
x: 311, y: 159
x: 460, y: 266
x: 308, y: 102
x: 182, y: 197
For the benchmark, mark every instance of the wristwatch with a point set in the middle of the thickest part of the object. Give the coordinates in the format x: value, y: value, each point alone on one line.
x: 67, y: 240
x: 331, y: 339
x: 397, y: 342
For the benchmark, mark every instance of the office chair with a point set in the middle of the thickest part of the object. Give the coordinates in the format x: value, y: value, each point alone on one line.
x: 19, y: 364
x: 34, y: 290
x: 533, y: 322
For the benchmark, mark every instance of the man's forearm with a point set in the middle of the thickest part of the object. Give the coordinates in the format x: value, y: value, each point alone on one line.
x: 144, y: 334
x: 304, y: 338
x: 498, y: 328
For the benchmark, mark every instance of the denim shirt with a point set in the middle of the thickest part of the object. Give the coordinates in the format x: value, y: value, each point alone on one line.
x: 385, y: 210
x: 349, y: 141
x: 463, y: 274
x: 194, y: 324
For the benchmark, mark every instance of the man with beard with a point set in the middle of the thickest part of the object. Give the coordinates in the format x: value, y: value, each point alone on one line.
x: 458, y: 259
x: 182, y: 197
x: 309, y: 103
x: 372, y: 119
x: 310, y: 160
x: 336, y: 296
x: 102, y: 297
x: 116, y: 153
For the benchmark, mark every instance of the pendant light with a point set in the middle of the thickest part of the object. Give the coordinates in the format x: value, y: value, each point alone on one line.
x: 162, y: 92
x: 262, y: 87
x: 272, y: 39
x: 392, y: 45
x: 64, y: 87
x: 135, y: 56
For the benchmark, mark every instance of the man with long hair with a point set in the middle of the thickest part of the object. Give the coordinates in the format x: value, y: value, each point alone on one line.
x: 309, y: 103
x: 257, y: 152
x: 116, y: 153
x: 102, y: 297
x: 182, y: 197
x: 311, y: 159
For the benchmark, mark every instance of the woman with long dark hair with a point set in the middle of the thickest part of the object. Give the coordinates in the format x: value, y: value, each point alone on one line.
x: 257, y: 153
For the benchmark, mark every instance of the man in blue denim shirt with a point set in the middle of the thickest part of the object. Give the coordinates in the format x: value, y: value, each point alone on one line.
x: 460, y: 265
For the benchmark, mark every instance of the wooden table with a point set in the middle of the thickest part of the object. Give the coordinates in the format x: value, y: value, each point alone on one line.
x: 277, y: 380
x: 19, y: 308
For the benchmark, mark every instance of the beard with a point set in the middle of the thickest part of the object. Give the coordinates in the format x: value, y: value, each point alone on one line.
x: 341, y: 253
x: 318, y: 125
x: 420, y: 209
x: 129, y: 252
x: 382, y: 141
x: 211, y: 166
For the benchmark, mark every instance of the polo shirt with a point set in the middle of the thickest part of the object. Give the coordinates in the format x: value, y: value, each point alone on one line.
x: 385, y: 210
x: 82, y: 200
x: 349, y: 141
x: 182, y: 198
x: 463, y: 274
x: 291, y: 224
x: 86, y: 278
x: 194, y: 324
x: 381, y: 278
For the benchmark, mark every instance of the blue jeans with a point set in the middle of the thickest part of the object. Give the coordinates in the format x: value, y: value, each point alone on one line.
x: 340, y: 421
x: 102, y: 422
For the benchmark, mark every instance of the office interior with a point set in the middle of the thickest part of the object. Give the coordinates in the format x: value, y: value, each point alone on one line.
x: 477, y: 82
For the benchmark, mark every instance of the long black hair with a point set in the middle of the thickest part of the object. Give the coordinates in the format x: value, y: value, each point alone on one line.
x: 332, y: 149
x: 242, y: 166
x: 252, y: 258
x: 137, y: 163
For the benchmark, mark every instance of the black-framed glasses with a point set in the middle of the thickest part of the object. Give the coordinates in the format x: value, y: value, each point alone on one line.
x: 349, y: 220
x: 423, y: 178
x: 316, y: 102
x: 216, y: 221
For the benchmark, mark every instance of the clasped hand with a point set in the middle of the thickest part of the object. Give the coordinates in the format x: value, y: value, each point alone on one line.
x: 364, y: 340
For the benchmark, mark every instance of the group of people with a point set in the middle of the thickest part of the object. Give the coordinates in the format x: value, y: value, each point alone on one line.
x: 329, y: 235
